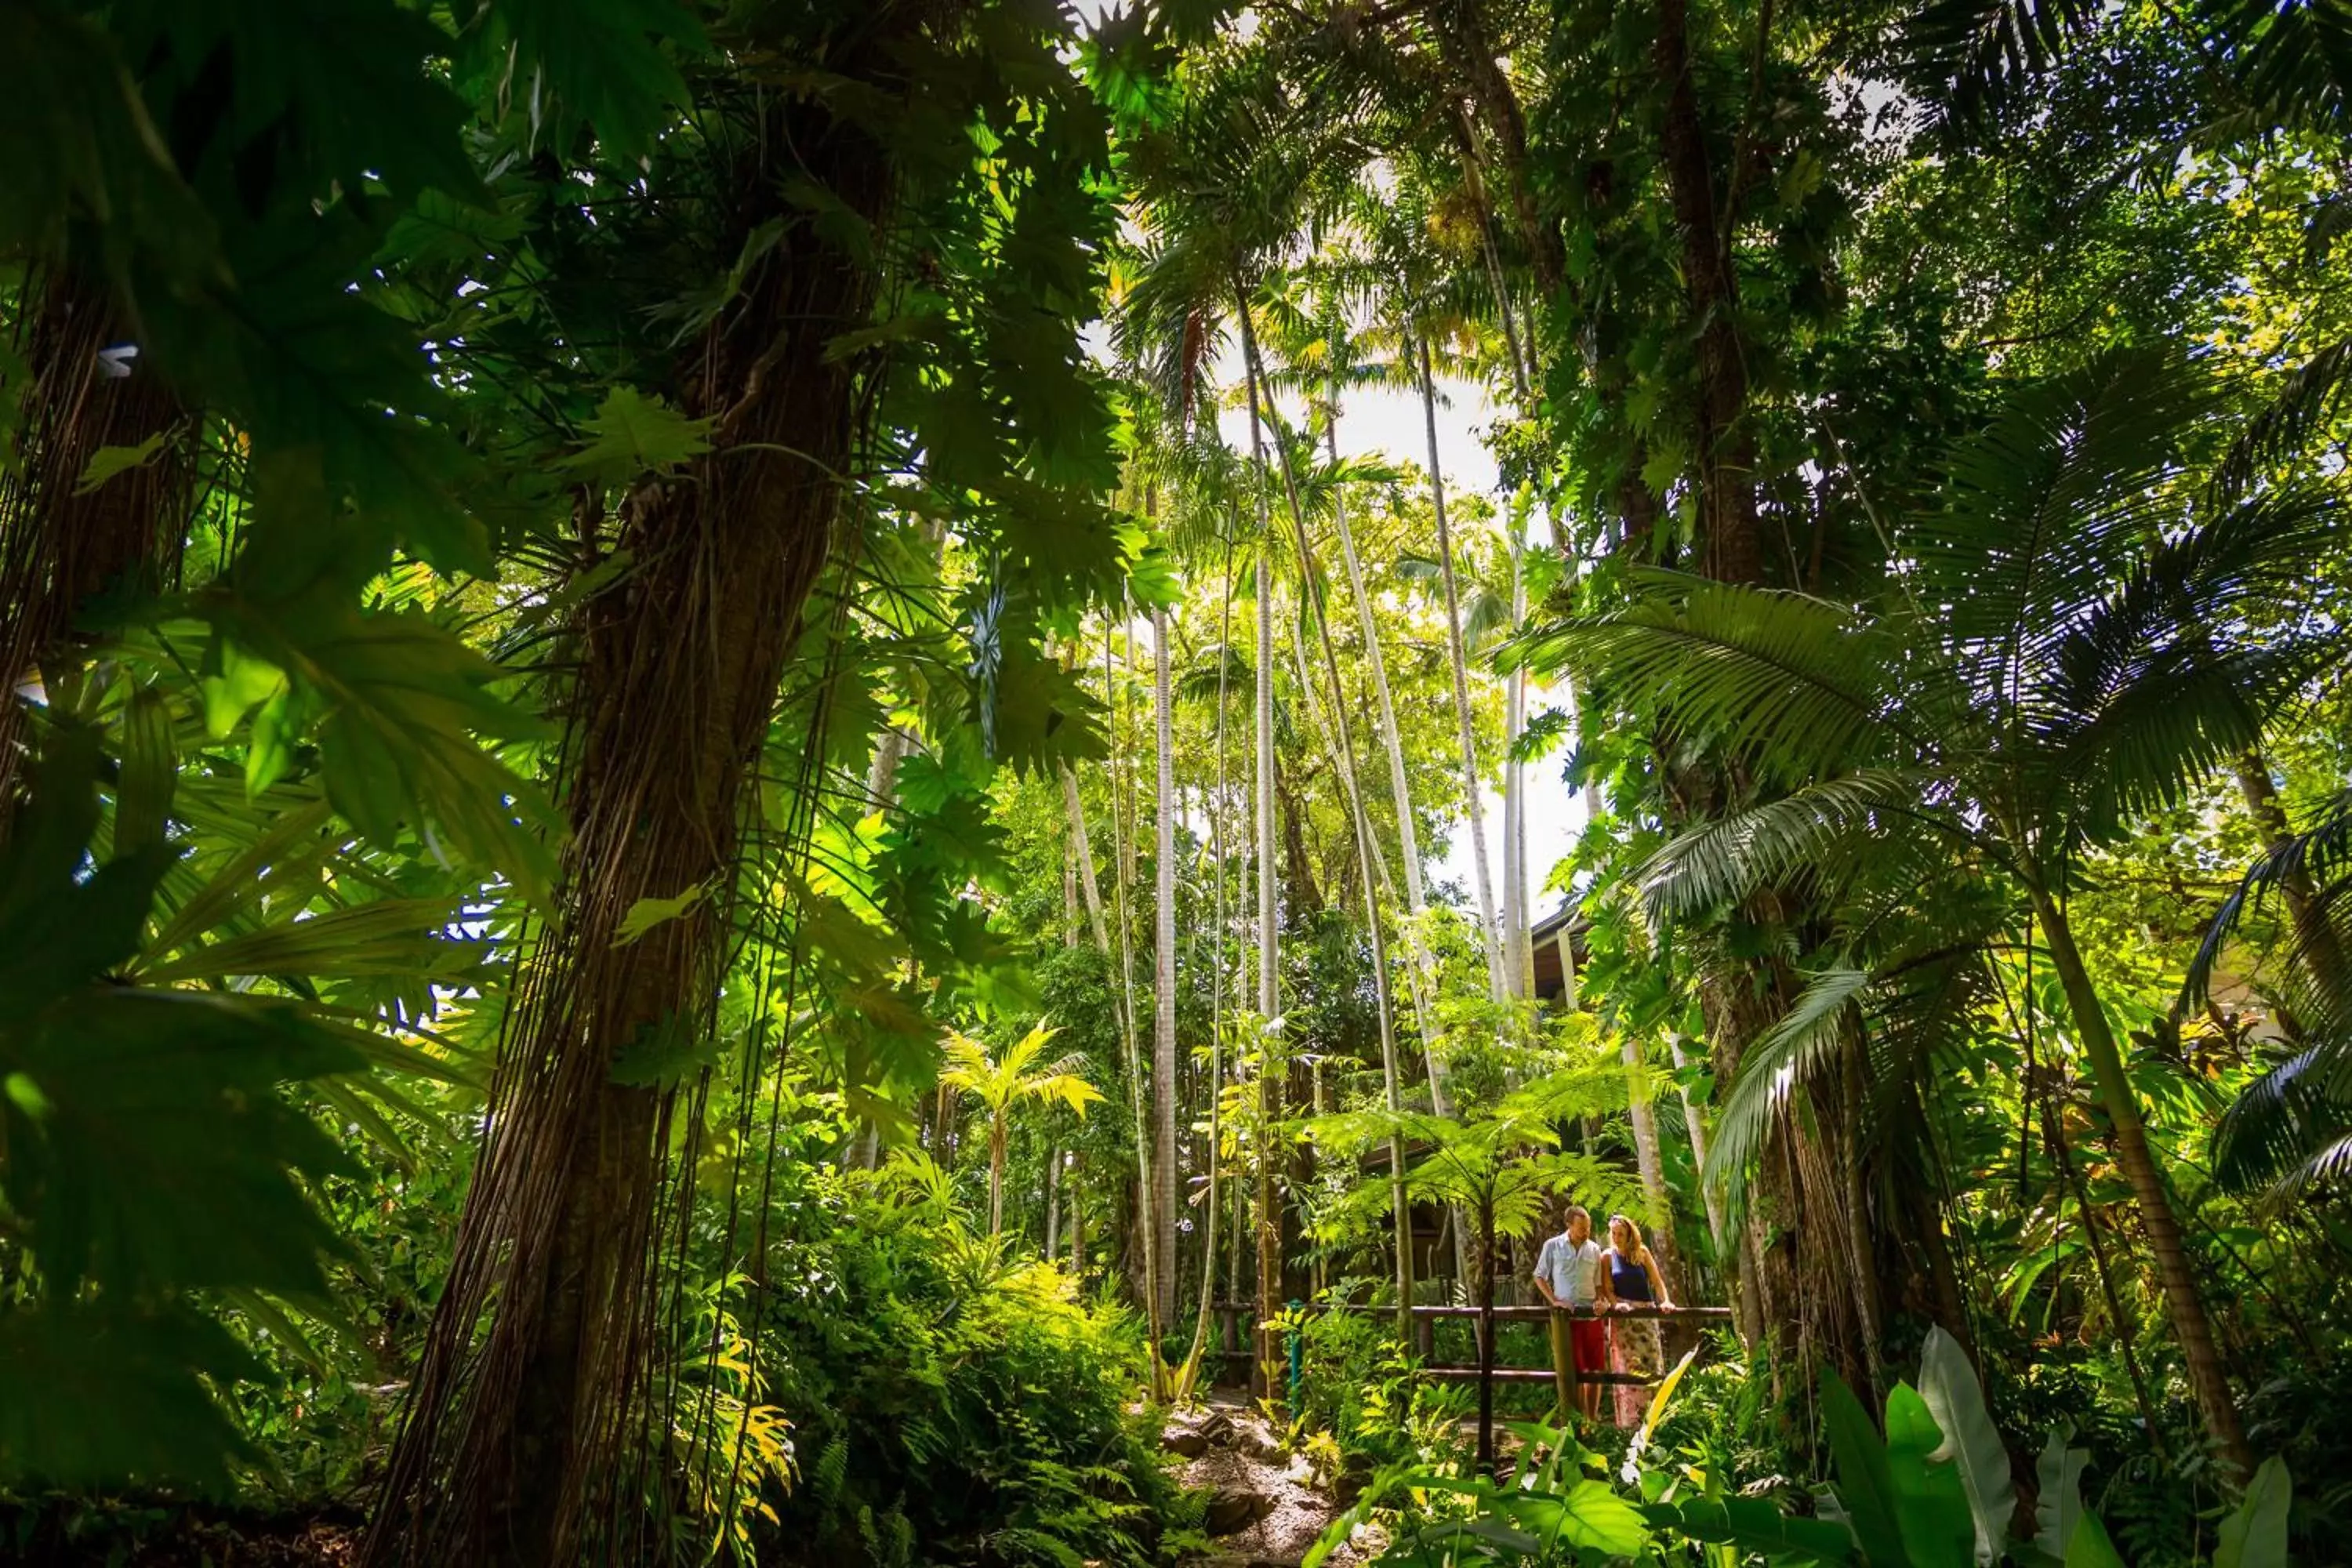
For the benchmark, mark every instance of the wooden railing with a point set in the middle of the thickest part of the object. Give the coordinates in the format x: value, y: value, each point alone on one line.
x: 1234, y: 1315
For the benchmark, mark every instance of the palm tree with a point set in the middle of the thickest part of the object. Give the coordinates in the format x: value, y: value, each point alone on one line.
x: 1001, y: 1083
x: 2067, y: 647
x: 2291, y: 1130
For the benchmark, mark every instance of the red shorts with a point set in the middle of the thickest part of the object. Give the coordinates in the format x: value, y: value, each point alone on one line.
x: 1588, y: 1341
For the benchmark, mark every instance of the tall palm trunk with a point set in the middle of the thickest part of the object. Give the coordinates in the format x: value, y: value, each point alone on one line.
x: 1122, y: 826
x: 1344, y: 765
x: 1518, y: 952
x: 2174, y: 1272
x: 517, y: 1435
x: 1420, y: 976
x: 1694, y: 1124
x: 1474, y: 806
x: 997, y: 1134
x: 1163, y: 1034
x: 1269, y: 930
x: 1130, y: 1055
x: 1269, y: 1000
x: 1209, y: 1204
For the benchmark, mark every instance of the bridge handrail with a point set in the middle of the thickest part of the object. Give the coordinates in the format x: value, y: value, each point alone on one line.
x: 1518, y: 1314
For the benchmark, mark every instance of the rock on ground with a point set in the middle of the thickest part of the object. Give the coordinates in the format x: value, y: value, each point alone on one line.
x: 1265, y: 1509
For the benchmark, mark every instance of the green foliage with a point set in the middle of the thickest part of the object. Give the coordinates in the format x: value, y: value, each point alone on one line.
x: 948, y: 1399
x: 149, y: 1153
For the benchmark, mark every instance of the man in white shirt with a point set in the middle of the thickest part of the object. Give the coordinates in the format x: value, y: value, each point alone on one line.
x: 1570, y: 1274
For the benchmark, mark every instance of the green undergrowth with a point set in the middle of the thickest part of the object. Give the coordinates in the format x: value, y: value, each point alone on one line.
x: 951, y: 1400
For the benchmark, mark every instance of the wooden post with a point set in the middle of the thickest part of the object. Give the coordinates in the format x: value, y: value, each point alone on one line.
x: 1563, y: 1371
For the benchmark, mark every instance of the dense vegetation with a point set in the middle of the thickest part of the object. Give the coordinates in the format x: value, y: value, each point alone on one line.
x: 735, y: 814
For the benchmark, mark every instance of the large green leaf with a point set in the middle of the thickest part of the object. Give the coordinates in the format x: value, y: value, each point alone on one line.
x: 1865, y: 1482
x: 95, y: 1397
x: 1752, y: 1524
x: 1931, y: 1506
x: 147, y: 1145
x: 2254, y: 1535
x: 1589, y: 1516
x: 399, y: 936
x: 2058, y: 1507
x: 1971, y: 1442
x: 604, y: 62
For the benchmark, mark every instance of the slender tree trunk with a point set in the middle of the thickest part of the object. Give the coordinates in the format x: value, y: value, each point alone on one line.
x: 1209, y: 1203
x: 1053, y: 1200
x: 2174, y: 1272
x: 1474, y: 806
x: 1163, y: 1034
x: 1269, y: 1006
x: 1644, y: 1114
x: 1343, y: 762
x: 1130, y: 1053
x: 1147, y: 1230
x: 1519, y: 954
x: 2056, y: 1140
x: 1269, y: 937
x: 1486, y: 1333
x: 996, y: 1173
x: 1420, y: 976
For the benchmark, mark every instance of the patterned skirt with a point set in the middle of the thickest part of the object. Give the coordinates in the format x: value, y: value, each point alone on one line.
x: 1637, y: 1348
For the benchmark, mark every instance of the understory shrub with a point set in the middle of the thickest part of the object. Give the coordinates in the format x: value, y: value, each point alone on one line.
x: 952, y: 1401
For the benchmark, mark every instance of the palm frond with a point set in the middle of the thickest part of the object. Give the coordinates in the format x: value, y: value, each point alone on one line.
x: 1972, y: 58
x: 1810, y: 1034
x: 1813, y: 834
x: 2284, y: 1132
x: 2292, y: 61
x: 1795, y: 686
x: 2048, y: 506
x: 2310, y: 396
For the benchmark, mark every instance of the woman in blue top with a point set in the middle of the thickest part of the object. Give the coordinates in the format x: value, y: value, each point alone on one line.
x: 1636, y: 1346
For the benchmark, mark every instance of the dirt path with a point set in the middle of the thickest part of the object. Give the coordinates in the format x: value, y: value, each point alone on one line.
x: 1265, y: 1506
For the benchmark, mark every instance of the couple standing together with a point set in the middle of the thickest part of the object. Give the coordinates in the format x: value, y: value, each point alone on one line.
x: 1573, y: 1270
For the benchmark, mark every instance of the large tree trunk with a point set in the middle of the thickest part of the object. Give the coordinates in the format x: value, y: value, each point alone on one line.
x: 61, y: 545
x: 1724, y: 446
x: 1163, y: 1033
x: 2174, y: 1272
x: 516, y: 1435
